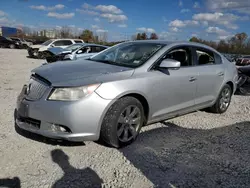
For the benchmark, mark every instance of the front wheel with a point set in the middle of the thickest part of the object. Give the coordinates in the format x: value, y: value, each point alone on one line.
x: 122, y: 123
x: 12, y: 46
x: 222, y: 103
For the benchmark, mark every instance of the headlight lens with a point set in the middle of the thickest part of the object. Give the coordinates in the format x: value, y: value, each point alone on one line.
x: 68, y: 56
x: 73, y: 93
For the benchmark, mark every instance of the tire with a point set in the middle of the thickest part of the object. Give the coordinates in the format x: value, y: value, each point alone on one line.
x: 116, y: 123
x: 218, y: 107
x: 12, y: 46
x: 41, y: 55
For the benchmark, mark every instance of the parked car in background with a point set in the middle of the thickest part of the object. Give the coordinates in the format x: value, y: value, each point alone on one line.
x: 117, y: 91
x: 37, y: 50
x: 244, y: 60
x: 8, y: 43
x: 73, y: 52
x: 23, y: 42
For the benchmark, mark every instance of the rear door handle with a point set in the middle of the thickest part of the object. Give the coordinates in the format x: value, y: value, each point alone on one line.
x: 191, y: 79
x: 221, y: 74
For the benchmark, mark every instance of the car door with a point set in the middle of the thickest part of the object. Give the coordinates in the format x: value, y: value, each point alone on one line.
x: 211, y: 75
x: 174, y: 90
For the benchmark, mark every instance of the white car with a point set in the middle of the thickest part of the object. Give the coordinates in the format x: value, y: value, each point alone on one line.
x: 37, y: 50
x: 74, y: 51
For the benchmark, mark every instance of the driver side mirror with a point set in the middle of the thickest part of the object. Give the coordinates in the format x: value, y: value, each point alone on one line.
x: 170, y: 64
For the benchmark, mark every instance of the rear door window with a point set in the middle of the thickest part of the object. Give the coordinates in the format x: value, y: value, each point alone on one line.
x: 78, y: 41
x: 205, y: 57
x: 96, y: 49
x: 62, y: 43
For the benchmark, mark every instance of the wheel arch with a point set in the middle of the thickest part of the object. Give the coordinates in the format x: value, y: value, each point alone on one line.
x: 230, y: 83
x: 142, y: 100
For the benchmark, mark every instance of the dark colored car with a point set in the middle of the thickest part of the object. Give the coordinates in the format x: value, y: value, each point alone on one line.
x: 245, y: 60
x: 8, y: 43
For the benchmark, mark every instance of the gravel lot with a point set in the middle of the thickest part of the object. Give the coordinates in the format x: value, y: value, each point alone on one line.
x: 196, y: 150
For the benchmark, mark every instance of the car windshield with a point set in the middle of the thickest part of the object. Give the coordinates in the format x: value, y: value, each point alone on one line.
x: 14, y: 39
x: 73, y: 47
x: 47, y: 42
x: 130, y: 54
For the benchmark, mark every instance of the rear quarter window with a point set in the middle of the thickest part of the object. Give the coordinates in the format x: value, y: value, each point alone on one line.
x: 63, y: 43
x: 217, y: 58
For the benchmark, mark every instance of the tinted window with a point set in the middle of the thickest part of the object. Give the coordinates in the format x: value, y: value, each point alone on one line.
x: 14, y: 39
x: 183, y: 55
x: 78, y: 41
x: 205, y: 57
x: 62, y: 43
x: 97, y: 49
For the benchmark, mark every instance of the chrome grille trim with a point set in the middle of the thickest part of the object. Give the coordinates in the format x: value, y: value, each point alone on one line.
x: 35, y: 89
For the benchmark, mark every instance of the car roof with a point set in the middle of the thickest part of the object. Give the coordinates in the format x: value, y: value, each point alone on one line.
x: 93, y: 44
x: 165, y: 42
x: 68, y: 39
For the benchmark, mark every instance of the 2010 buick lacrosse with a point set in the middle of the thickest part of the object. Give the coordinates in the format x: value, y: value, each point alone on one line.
x: 114, y: 93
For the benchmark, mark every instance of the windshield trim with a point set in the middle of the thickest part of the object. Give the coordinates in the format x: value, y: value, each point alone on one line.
x: 46, y: 43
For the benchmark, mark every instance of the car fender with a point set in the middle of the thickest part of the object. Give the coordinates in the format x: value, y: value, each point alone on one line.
x: 43, y: 48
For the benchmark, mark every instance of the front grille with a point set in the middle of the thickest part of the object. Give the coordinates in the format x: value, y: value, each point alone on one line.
x: 35, y: 89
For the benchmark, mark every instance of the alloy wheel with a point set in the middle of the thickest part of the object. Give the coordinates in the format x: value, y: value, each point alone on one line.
x: 225, y: 99
x: 128, y: 123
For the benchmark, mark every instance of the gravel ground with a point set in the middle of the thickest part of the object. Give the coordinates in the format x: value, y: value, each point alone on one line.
x: 196, y: 150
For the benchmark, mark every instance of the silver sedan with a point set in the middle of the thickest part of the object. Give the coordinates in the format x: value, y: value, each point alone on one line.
x: 114, y: 93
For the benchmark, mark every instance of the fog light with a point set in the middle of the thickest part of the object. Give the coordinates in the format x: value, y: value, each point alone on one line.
x: 58, y: 128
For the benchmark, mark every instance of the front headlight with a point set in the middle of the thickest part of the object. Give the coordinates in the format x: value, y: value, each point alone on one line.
x: 72, y: 93
x: 68, y: 56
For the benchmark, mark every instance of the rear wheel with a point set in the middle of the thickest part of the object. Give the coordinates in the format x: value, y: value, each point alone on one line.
x: 123, y: 122
x: 223, y: 101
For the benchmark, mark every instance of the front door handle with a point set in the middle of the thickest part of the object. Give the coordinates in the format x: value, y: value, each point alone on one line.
x: 191, y: 79
x: 221, y: 74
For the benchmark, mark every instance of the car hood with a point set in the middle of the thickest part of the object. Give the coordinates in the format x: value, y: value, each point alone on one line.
x: 36, y: 46
x: 81, y: 72
x: 58, y: 50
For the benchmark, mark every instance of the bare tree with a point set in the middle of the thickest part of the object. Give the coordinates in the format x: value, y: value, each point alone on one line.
x: 87, y: 36
x: 65, y: 32
x: 153, y: 36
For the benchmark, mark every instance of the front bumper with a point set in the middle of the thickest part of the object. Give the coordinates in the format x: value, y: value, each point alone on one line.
x: 81, y: 118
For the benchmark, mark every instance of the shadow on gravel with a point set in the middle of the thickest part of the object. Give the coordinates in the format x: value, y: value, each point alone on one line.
x: 10, y: 183
x: 173, y: 156
x: 74, y: 177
